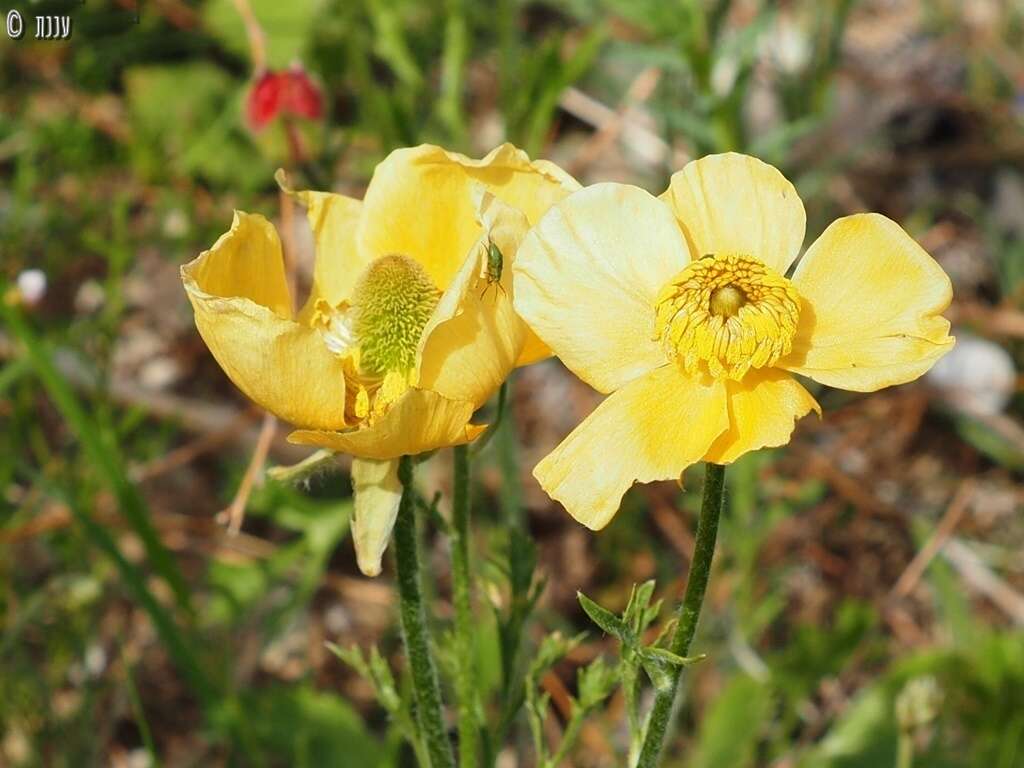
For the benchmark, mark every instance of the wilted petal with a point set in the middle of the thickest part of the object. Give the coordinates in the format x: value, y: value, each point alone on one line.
x: 377, y: 493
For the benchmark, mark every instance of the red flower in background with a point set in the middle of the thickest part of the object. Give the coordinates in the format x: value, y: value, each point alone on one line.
x: 289, y: 92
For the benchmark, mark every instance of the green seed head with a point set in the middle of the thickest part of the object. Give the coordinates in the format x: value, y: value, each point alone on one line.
x: 392, y: 301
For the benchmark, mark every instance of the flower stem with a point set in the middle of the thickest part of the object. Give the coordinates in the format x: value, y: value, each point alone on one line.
x: 426, y: 690
x: 689, y: 611
x: 465, y: 681
x: 569, y: 738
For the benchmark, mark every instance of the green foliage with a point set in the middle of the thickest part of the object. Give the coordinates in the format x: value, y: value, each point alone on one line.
x: 208, y: 141
x: 240, y: 590
x: 660, y: 665
x: 594, y: 684
x: 864, y: 736
x: 540, y: 80
x: 305, y: 728
x: 999, y: 447
x: 721, y: 742
x: 814, y: 652
x: 374, y: 669
x: 657, y: 662
x: 978, y: 692
x: 421, y: 53
x: 288, y: 26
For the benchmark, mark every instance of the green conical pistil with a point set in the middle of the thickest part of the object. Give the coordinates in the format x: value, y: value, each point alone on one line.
x: 393, y: 302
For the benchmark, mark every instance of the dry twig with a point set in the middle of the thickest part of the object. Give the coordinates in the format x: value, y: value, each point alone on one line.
x: 952, y: 517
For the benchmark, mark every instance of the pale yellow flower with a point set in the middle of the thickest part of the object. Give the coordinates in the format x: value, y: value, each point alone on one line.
x: 678, y: 308
x: 403, y: 336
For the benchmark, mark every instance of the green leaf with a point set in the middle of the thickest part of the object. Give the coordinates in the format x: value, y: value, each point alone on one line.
x: 730, y: 729
x: 988, y: 441
x: 863, y: 738
x: 605, y: 619
x: 304, y: 727
x: 639, y: 613
x: 595, y: 683
x: 318, y: 462
x: 375, y: 671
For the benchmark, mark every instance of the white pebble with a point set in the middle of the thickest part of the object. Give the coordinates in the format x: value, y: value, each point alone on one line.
x: 976, y: 376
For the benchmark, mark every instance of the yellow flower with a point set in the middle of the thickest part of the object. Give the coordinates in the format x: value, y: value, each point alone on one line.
x: 678, y: 308
x: 400, y: 340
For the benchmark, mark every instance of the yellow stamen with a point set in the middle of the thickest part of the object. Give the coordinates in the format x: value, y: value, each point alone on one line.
x: 362, y: 406
x: 725, y: 314
x: 393, y: 387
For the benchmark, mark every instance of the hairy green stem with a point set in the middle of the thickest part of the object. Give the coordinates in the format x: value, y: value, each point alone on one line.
x: 465, y: 680
x: 689, y: 612
x: 426, y: 689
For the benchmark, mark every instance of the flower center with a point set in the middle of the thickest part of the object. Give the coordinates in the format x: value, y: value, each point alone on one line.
x: 727, y: 300
x: 378, y: 333
x: 392, y: 301
x: 725, y: 314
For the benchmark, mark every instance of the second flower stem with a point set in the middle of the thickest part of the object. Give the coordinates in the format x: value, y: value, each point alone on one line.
x: 426, y: 690
x: 465, y: 681
x: 689, y: 611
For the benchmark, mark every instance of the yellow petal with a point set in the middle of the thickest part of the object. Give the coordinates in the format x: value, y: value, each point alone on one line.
x: 245, y: 262
x: 339, y: 263
x: 872, y: 307
x: 532, y: 186
x: 377, y: 493
x: 534, y: 350
x: 733, y: 203
x: 652, y: 429
x: 242, y: 310
x: 419, y: 421
x: 587, y: 276
x: 419, y: 204
x: 763, y: 409
x: 474, y: 337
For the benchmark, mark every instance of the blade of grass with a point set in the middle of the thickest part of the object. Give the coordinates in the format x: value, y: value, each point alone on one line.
x: 140, y: 716
x: 453, y: 65
x: 100, y: 454
x: 506, y: 17
x: 555, y: 82
x: 13, y: 371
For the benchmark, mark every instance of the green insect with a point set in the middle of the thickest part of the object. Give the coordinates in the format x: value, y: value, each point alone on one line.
x: 492, y: 268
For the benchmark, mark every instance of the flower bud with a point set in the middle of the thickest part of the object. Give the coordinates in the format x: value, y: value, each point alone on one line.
x: 290, y: 92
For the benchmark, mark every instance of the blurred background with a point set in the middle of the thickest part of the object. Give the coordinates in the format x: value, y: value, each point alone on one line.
x: 870, y: 576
